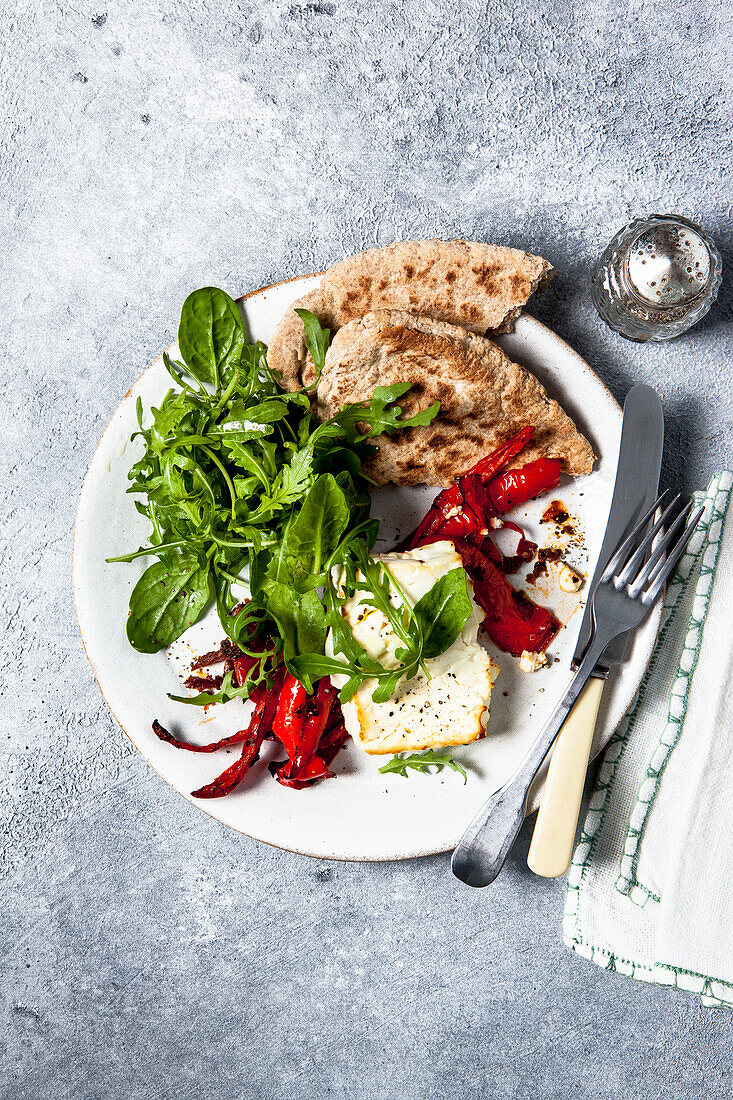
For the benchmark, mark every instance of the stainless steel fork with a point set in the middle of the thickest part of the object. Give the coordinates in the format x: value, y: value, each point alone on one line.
x: 624, y: 595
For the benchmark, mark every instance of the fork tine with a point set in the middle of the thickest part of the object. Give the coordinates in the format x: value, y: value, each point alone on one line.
x: 636, y: 560
x: 648, y: 572
x: 660, y: 564
x: 656, y: 586
x: 629, y: 543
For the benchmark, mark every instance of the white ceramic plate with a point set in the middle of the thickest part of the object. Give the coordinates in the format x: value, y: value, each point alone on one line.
x: 360, y: 815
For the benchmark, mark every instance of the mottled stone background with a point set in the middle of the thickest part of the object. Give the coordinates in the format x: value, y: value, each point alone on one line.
x: 149, y: 149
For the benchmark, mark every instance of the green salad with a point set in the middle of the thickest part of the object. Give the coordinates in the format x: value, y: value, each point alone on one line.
x: 244, y: 486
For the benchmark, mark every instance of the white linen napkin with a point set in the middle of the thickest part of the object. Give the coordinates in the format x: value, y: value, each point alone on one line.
x: 650, y: 888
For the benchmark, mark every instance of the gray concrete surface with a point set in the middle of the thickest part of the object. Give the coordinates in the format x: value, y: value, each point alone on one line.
x: 152, y: 148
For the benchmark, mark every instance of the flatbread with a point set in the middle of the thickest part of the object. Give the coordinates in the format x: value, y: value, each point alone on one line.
x: 480, y: 286
x: 484, y: 398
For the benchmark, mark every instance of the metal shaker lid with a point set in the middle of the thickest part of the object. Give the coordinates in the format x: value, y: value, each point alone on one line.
x: 668, y: 264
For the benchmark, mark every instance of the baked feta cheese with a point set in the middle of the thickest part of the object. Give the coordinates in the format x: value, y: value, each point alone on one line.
x: 451, y: 707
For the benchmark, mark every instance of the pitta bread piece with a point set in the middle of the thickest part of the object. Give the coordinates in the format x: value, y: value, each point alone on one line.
x: 287, y: 354
x: 484, y: 398
x: 480, y: 286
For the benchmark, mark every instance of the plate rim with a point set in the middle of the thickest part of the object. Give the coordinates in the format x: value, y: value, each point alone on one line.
x: 655, y: 614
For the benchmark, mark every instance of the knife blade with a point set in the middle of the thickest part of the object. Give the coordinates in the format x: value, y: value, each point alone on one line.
x: 637, y: 478
x: 637, y: 481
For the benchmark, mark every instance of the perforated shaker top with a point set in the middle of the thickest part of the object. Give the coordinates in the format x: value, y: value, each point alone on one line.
x: 668, y: 265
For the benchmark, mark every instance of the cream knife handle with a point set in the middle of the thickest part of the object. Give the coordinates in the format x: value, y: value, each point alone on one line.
x: 554, y: 832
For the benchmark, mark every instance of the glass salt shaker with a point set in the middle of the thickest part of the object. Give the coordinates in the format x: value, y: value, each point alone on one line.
x: 657, y: 277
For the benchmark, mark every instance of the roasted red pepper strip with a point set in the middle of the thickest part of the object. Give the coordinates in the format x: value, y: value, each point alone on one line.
x: 323, y: 729
x: 526, y: 550
x: 318, y: 709
x: 242, y: 665
x: 474, y: 491
x: 512, y: 621
x: 266, y: 703
x: 448, y: 503
x: 311, y: 773
x: 487, y: 547
x: 470, y: 513
x: 245, y: 661
x: 228, y: 780
x: 518, y: 486
x: 515, y: 634
x: 288, y: 723
x: 272, y: 702
x: 214, y: 746
x: 476, y: 538
x: 333, y: 741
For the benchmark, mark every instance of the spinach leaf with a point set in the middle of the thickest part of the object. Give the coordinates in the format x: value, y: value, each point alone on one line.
x: 317, y: 338
x: 443, y: 612
x: 315, y: 532
x: 211, y: 334
x: 421, y: 762
x: 167, y: 599
x: 300, y: 618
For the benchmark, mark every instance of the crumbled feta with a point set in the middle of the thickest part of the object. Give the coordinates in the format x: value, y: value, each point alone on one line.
x: 567, y: 579
x: 530, y: 662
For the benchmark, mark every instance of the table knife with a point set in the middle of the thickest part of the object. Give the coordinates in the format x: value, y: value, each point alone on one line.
x: 637, y: 481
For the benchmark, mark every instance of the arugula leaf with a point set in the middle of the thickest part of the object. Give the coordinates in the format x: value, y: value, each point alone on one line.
x: 319, y: 664
x: 380, y: 584
x: 443, y: 612
x: 382, y: 414
x: 291, y: 483
x: 421, y: 762
x: 173, y: 414
x: 351, y: 660
x: 226, y: 692
x: 167, y: 599
x: 211, y: 334
x: 267, y: 412
x: 425, y: 633
x: 317, y: 339
x: 241, y: 425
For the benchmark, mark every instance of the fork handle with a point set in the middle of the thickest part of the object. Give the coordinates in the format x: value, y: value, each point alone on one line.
x: 481, y: 851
